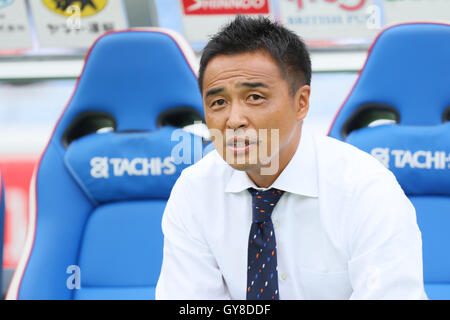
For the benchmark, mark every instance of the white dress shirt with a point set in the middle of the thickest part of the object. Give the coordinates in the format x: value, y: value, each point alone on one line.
x: 344, y: 229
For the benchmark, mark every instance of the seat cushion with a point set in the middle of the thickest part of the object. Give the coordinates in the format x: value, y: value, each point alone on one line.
x: 433, y: 218
x: 121, y: 251
x: 438, y: 291
x: 110, y: 293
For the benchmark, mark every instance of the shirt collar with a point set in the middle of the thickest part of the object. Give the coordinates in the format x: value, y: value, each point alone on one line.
x: 299, y: 176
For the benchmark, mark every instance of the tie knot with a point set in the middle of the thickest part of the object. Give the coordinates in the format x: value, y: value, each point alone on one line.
x: 263, y: 203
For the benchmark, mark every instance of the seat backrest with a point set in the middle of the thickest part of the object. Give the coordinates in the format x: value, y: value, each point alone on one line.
x: 399, y: 111
x: 102, y: 183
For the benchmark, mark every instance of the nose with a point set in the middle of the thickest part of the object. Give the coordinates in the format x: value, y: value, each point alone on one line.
x: 237, y: 118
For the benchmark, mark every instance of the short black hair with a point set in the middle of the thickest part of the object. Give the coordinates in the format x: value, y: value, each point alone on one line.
x: 245, y: 34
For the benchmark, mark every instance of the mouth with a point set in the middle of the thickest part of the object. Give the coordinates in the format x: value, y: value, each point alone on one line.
x: 240, y: 145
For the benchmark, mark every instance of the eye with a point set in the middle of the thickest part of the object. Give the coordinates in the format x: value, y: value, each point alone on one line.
x: 255, y: 96
x: 218, y: 102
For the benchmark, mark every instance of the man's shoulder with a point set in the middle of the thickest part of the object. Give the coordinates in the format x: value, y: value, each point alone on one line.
x: 346, y: 165
x: 335, y: 149
x: 356, y: 187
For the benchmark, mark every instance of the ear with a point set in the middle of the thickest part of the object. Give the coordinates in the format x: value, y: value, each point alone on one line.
x: 302, y: 101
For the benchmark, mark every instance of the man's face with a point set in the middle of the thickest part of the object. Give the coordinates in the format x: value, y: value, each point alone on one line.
x: 253, y: 119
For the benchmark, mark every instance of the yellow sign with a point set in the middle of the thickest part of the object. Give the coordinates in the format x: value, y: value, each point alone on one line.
x: 83, y: 8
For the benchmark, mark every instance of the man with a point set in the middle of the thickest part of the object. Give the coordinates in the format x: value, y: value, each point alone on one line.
x: 275, y: 212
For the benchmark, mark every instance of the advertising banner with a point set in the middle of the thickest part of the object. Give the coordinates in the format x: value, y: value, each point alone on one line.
x: 203, y: 18
x: 355, y: 22
x: 75, y: 23
x: 328, y: 22
x: 15, y: 32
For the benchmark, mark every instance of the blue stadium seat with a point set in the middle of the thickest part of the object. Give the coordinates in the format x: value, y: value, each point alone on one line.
x: 2, y: 225
x: 102, y: 183
x: 399, y: 111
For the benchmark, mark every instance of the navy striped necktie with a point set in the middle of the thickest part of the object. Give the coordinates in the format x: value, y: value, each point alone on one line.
x: 262, y: 274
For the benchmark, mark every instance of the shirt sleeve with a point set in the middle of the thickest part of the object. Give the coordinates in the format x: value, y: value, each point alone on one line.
x: 385, y: 242
x: 189, y: 269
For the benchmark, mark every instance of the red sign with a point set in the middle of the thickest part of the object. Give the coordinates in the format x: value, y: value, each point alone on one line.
x: 213, y: 7
x: 17, y: 173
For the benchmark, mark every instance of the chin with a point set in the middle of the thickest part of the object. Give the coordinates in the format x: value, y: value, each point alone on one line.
x: 243, y: 167
x: 244, y: 163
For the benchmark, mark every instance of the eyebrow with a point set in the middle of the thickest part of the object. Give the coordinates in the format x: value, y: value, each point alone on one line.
x: 213, y: 92
x: 253, y: 84
x: 241, y: 84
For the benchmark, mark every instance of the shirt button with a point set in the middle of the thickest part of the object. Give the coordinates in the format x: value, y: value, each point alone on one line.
x: 284, y: 276
x: 275, y: 224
